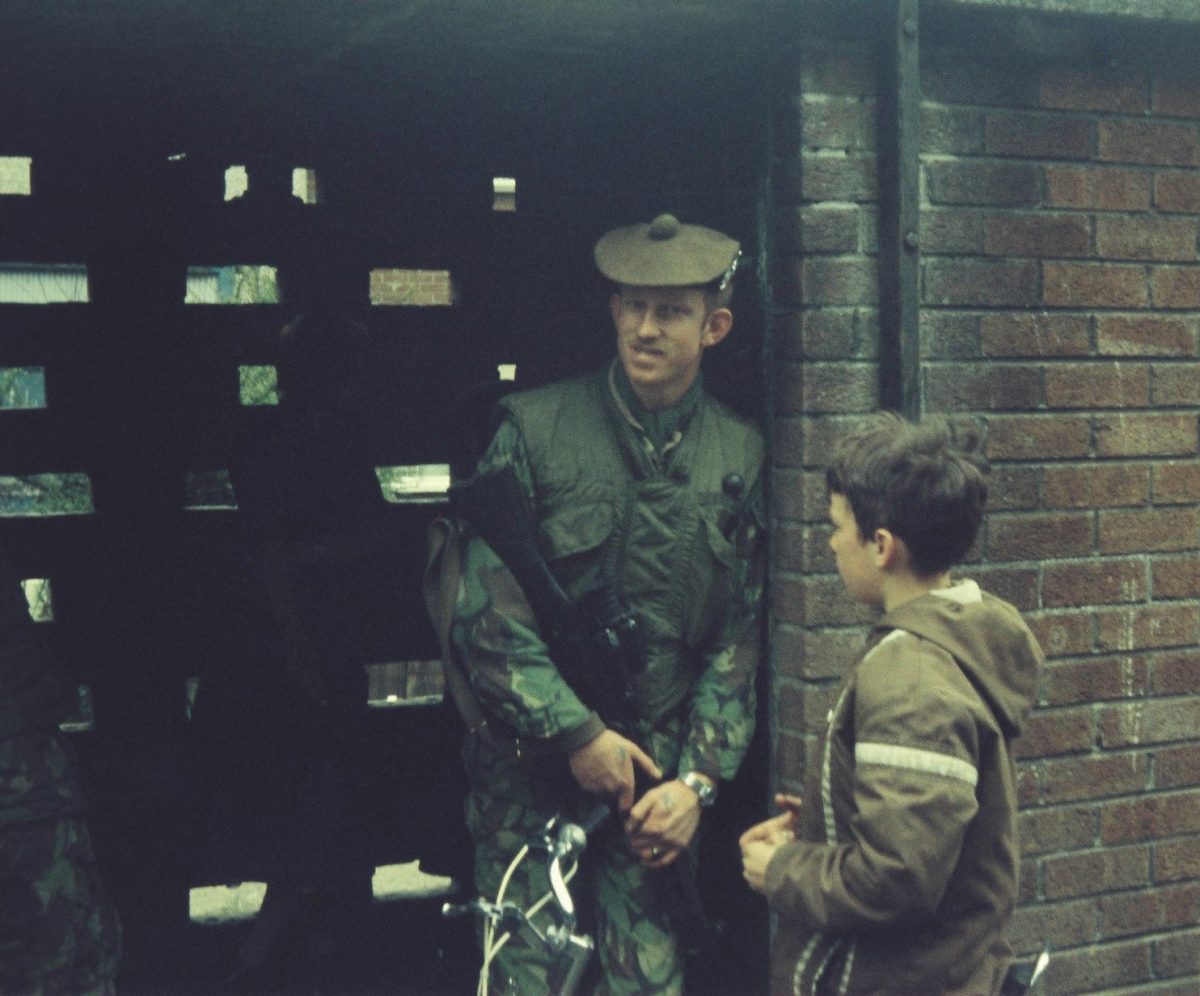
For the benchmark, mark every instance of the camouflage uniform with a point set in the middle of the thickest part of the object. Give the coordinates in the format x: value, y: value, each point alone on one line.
x: 58, y: 934
x: 697, y: 602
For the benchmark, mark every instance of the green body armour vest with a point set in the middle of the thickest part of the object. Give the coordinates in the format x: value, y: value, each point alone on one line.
x: 662, y: 529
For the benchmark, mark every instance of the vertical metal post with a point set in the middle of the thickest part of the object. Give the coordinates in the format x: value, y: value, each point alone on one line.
x: 899, y: 208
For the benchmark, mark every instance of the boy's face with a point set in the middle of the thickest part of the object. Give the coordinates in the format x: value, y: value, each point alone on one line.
x: 856, y: 558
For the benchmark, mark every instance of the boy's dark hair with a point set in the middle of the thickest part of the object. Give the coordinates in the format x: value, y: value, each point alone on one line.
x: 921, y: 480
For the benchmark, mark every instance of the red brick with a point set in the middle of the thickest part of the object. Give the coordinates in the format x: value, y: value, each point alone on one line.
x: 951, y: 130
x: 1069, y: 828
x: 980, y: 283
x: 1150, y: 817
x: 1024, y: 334
x: 836, y: 72
x: 842, y: 281
x: 1037, y: 136
x: 1137, y: 434
x: 1094, y: 285
x: 1018, y: 586
x: 826, y: 603
x: 1175, y: 955
x: 1177, y: 190
x: 821, y: 228
x: 1003, y: 184
x: 1069, y: 923
x: 1177, y: 96
x: 1062, y: 634
x: 1025, y: 536
x: 1078, y: 779
x: 1176, y: 287
x: 1094, y: 90
x: 1161, y: 239
x: 1097, y: 385
x: 787, y: 548
x: 1072, y: 875
x: 1056, y: 732
x: 1176, y: 384
x: 1121, y: 335
x: 1177, y: 767
x: 836, y: 177
x: 834, y: 122
x: 1102, y: 188
x: 1176, y: 482
x: 787, y: 598
x: 1155, y: 722
x: 789, y: 495
x: 1097, y: 969
x: 1157, y: 143
x: 1038, y: 437
x: 839, y: 387
x: 949, y: 335
x: 1096, y: 485
x: 1028, y: 877
x: 827, y: 653
x: 1038, y: 235
x: 823, y: 334
x: 975, y: 387
x: 1142, y: 912
x: 1177, y: 860
x: 952, y: 231
x: 954, y: 80
x: 1013, y: 488
x: 1176, y: 577
x: 1095, y: 582
x: 1176, y: 674
x: 1169, y: 625
x: 1096, y: 679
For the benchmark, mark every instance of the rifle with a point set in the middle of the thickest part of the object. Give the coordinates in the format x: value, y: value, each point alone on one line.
x: 596, y: 644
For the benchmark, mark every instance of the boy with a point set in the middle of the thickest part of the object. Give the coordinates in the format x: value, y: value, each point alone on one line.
x: 899, y: 872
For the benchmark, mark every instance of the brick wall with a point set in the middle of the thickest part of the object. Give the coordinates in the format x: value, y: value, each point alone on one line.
x: 1060, y: 311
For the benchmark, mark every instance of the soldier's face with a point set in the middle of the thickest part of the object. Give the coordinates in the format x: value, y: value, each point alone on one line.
x: 662, y: 333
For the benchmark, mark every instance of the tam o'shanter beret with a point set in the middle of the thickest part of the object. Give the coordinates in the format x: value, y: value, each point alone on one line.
x: 665, y: 253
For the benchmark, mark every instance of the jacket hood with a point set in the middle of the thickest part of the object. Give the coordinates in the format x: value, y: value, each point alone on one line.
x: 989, y: 639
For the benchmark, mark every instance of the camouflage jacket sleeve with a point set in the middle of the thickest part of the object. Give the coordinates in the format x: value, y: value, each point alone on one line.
x: 494, y: 632
x: 721, y: 715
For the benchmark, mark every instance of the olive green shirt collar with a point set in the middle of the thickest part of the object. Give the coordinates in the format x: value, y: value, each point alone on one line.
x: 663, y: 429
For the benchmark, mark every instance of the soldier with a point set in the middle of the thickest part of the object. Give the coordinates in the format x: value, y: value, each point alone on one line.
x: 58, y: 932
x: 639, y: 480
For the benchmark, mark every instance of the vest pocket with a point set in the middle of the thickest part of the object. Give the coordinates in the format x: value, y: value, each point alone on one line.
x: 712, y: 583
x: 571, y: 535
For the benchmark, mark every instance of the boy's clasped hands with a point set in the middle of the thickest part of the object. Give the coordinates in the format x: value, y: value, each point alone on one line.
x: 762, y: 840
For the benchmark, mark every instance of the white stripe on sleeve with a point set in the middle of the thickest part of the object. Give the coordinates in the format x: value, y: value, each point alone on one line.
x: 915, y: 759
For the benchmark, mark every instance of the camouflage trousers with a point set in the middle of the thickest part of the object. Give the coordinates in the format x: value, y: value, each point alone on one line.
x: 57, y: 932
x: 616, y: 898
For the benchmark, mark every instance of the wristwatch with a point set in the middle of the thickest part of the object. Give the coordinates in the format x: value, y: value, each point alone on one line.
x: 705, y: 789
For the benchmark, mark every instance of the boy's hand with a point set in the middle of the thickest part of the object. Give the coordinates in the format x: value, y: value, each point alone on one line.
x: 781, y: 827
x: 762, y: 840
x: 756, y: 855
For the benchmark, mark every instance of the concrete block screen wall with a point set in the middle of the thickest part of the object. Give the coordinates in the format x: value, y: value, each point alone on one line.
x: 1060, y: 313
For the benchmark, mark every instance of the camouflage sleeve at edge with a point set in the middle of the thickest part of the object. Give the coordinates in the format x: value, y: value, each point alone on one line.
x: 721, y: 717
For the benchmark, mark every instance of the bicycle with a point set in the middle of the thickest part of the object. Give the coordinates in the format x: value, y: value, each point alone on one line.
x: 563, y: 842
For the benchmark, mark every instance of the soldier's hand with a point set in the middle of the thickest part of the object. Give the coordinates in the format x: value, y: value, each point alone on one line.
x: 662, y: 823
x: 605, y: 766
